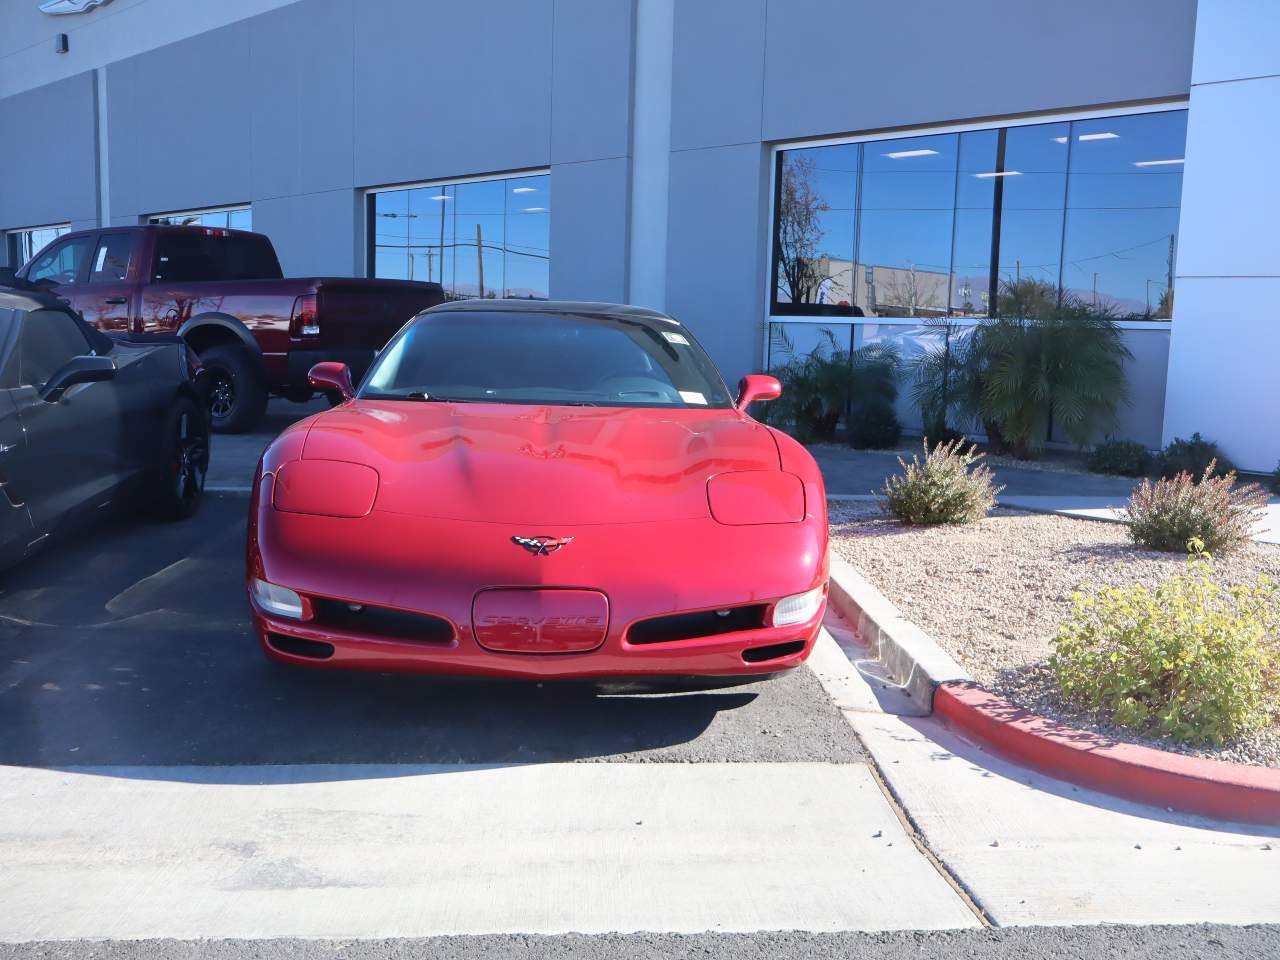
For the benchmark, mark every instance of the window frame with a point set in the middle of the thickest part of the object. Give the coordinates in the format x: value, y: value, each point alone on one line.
x: 161, y: 219
x: 839, y: 317
x: 370, y: 206
x: 13, y: 241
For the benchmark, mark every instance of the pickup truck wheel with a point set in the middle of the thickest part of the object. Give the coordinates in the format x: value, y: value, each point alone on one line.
x: 178, y: 483
x: 237, y: 394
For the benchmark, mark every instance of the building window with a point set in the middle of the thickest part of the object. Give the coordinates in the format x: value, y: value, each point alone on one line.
x: 229, y: 218
x: 972, y: 224
x: 479, y: 238
x: 26, y: 243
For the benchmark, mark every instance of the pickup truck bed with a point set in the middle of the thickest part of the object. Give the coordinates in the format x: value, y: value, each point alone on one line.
x: 222, y: 291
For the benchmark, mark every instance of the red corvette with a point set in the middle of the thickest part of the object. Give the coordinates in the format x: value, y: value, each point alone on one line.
x: 539, y: 490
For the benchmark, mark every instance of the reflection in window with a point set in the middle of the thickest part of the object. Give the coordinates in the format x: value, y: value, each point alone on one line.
x: 904, y: 237
x: 1122, y: 212
x: 25, y: 244
x: 816, y: 196
x: 983, y: 222
x: 484, y: 238
x: 228, y: 218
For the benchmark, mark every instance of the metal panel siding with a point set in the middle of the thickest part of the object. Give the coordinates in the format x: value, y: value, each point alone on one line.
x: 717, y: 73
x: 591, y: 80
x: 451, y: 88
x: 179, y: 123
x: 834, y: 68
x: 302, y: 111
x: 715, y: 254
x: 314, y: 234
x: 47, y: 168
x: 589, y: 230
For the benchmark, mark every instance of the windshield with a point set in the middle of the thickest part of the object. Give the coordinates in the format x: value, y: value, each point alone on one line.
x: 509, y: 357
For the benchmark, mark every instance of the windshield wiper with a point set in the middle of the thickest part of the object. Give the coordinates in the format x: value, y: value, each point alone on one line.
x: 421, y: 397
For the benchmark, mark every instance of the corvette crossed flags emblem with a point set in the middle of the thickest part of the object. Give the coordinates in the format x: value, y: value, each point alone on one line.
x: 542, y: 546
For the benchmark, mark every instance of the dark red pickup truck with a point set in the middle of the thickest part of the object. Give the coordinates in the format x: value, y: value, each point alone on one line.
x: 257, y: 334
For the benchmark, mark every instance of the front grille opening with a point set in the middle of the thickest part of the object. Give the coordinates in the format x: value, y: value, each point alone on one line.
x: 704, y: 623
x: 774, y: 651
x: 384, y: 622
x: 298, y: 647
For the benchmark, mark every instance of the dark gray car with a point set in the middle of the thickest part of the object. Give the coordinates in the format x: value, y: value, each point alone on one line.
x: 87, y: 419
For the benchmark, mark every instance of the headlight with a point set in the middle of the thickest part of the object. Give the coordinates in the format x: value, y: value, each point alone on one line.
x: 798, y: 607
x: 281, y: 601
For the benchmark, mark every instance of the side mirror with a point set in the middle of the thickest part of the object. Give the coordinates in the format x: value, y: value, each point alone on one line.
x: 332, y: 375
x: 87, y: 369
x: 757, y: 386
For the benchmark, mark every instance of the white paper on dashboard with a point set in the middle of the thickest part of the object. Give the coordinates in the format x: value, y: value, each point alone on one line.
x: 692, y: 396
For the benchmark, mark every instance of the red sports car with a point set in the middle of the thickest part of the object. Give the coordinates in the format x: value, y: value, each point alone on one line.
x: 531, y: 489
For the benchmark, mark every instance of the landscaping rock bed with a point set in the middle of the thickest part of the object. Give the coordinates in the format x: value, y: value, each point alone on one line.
x: 993, y: 594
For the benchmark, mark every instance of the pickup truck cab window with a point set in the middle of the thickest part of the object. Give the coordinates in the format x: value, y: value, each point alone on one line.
x: 215, y: 255
x: 111, y: 258
x: 61, y: 264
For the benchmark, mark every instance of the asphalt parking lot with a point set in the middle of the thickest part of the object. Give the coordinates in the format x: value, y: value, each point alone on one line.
x: 130, y: 644
x: 167, y: 791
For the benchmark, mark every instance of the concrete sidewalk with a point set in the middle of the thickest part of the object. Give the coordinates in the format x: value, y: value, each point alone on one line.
x: 1267, y: 530
x: 1033, y: 850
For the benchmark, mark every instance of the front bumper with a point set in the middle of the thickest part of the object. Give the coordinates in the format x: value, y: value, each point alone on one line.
x: 436, y: 568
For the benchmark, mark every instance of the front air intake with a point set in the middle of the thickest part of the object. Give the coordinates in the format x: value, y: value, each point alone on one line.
x: 702, y: 623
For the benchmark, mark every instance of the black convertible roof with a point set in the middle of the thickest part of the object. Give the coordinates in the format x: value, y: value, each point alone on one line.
x: 580, y: 307
x: 12, y: 298
x: 30, y: 300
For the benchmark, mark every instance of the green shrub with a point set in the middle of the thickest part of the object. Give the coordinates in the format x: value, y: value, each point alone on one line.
x: 1275, y: 480
x: 1169, y: 514
x: 1194, y: 457
x: 1122, y: 457
x: 1193, y: 661
x: 818, y: 387
x: 948, y: 486
x: 874, y: 427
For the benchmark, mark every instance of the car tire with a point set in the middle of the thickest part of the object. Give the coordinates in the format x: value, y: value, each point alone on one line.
x: 178, y: 479
x: 235, y: 388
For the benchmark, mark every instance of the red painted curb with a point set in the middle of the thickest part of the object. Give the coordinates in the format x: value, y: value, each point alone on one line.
x: 1211, y: 788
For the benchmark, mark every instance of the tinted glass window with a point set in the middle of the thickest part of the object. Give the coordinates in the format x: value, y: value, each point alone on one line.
x: 111, y: 258
x: 61, y: 264
x: 1122, y: 212
x: 506, y: 357
x: 904, y: 240
x: 235, y: 218
x: 184, y: 257
x: 815, y: 230
x: 983, y: 222
x: 49, y: 339
x: 25, y: 244
x: 488, y: 238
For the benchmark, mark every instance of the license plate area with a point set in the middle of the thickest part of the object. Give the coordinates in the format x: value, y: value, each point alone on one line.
x: 540, y: 621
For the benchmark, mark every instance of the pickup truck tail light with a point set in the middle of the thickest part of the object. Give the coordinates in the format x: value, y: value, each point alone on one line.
x: 306, y: 322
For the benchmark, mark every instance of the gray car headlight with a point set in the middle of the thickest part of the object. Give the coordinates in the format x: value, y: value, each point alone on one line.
x: 278, y: 600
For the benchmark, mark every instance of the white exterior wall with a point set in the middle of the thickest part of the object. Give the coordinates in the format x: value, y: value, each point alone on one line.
x: 1224, y: 358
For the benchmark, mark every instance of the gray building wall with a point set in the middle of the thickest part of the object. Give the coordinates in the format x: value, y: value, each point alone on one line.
x: 300, y: 108
x: 749, y: 72
x: 48, y: 170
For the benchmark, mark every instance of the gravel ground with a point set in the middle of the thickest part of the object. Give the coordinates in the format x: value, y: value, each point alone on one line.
x: 993, y: 594
x: 1023, y: 943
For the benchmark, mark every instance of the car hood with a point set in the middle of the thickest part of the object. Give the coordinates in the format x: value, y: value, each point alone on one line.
x: 540, y: 464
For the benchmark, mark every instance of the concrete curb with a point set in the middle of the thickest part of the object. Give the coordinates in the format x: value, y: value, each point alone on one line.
x: 936, y: 683
x: 907, y: 653
x: 1211, y: 788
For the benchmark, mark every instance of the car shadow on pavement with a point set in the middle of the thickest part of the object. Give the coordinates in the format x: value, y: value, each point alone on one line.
x: 131, y: 646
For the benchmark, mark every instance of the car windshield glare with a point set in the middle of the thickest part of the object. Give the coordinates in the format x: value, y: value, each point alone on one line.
x: 546, y: 358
